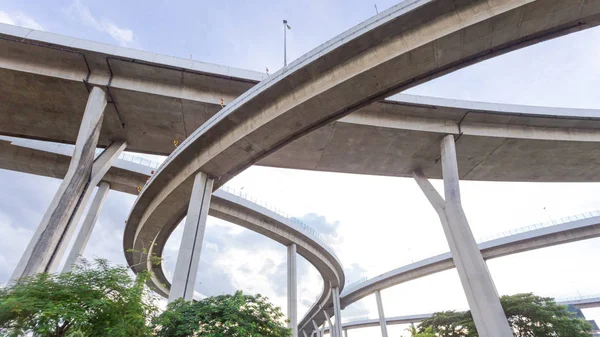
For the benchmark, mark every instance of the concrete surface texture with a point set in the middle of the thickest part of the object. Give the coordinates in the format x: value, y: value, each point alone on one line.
x: 41, y: 251
x: 86, y: 228
x: 161, y: 99
x: 292, y: 289
x: 188, y: 256
x: 474, y: 275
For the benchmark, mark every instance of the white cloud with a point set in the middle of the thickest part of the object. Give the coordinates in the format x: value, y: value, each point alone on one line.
x: 82, y: 13
x: 20, y: 19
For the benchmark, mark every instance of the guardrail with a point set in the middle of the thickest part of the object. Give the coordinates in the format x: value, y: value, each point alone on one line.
x: 300, y: 225
x: 578, y: 298
x: 138, y: 160
x: 550, y: 223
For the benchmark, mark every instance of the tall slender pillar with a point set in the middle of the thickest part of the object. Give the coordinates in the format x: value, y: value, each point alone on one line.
x: 101, y: 165
x: 337, y: 310
x: 42, y: 247
x: 476, y: 280
x: 382, y: 322
x: 292, y: 287
x: 331, y: 331
x: 87, y: 226
x: 188, y: 258
x: 345, y: 332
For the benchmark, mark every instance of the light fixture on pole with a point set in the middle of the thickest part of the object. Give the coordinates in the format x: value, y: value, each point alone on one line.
x: 285, y: 28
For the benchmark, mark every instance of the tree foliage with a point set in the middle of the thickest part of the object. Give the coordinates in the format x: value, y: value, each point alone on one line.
x: 427, y: 332
x: 225, y: 315
x: 527, y: 314
x: 92, y: 300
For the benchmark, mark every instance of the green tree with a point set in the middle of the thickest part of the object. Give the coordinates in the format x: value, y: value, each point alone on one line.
x: 428, y: 332
x: 531, y: 315
x: 527, y: 314
x: 92, y: 300
x: 449, y: 324
x: 225, y: 315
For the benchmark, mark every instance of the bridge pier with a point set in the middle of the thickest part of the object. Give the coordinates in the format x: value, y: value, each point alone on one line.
x: 292, y: 288
x: 101, y: 165
x: 328, y: 319
x: 382, y: 322
x: 337, y: 311
x: 475, y: 277
x: 45, y: 242
x: 317, y: 331
x: 188, y: 258
x: 88, y: 225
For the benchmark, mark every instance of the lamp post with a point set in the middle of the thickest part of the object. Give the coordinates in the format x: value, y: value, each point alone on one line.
x: 285, y: 28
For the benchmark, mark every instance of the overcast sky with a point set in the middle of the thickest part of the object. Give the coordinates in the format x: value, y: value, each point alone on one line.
x: 375, y: 224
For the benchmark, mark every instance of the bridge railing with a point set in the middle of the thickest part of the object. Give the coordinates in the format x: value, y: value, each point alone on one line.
x: 577, y: 298
x: 139, y: 160
x: 240, y: 193
x: 299, y: 223
x: 546, y: 224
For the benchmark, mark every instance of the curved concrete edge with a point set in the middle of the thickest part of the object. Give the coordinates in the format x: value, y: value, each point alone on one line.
x: 254, y: 217
x: 494, y: 108
x: 242, y: 212
x: 577, y: 230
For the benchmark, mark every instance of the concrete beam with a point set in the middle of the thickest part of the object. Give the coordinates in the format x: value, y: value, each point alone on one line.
x: 188, y: 258
x: 42, y: 248
x: 88, y: 225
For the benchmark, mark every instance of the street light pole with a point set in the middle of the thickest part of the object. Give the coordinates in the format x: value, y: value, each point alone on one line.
x: 285, y: 28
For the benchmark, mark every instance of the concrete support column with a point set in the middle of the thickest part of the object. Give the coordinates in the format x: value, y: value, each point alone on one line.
x: 88, y: 225
x: 337, y: 310
x: 45, y: 241
x: 101, y: 165
x: 476, y: 280
x: 317, y: 331
x: 188, y: 258
x: 292, y: 287
x: 331, y: 331
x: 345, y: 332
x: 382, y: 322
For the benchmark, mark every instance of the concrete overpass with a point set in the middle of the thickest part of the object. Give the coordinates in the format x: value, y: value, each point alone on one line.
x: 571, y: 229
x: 52, y: 160
x: 162, y: 98
x: 416, y: 41
x: 126, y: 175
